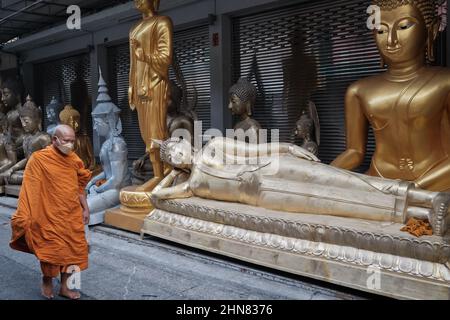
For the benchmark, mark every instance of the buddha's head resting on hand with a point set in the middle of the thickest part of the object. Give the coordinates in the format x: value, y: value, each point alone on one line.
x: 147, y: 5
x: 177, y: 152
x: 30, y: 116
x: 71, y: 117
x: 242, y: 97
x: 408, y: 29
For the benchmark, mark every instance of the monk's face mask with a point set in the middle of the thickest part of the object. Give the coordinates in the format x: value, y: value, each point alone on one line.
x: 65, y: 148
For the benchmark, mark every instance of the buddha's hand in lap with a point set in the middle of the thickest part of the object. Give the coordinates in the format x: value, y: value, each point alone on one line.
x: 93, y: 190
x: 302, y: 153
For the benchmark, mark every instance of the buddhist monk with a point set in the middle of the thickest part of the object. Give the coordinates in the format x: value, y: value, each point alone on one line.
x: 52, y: 212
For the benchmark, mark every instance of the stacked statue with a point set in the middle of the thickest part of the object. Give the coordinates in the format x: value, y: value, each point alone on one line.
x: 407, y: 106
x: 104, y: 189
x: 151, y: 55
x: 83, y: 146
x: 34, y: 139
x: 52, y: 111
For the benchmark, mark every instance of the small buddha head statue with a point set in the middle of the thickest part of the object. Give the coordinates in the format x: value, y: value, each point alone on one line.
x: 408, y: 29
x: 52, y: 110
x: 242, y: 97
x: 147, y: 5
x: 11, y: 93
x: 304, y: 127
x: 71, y: 117
x: 176, y: 152
x: 30, y: 116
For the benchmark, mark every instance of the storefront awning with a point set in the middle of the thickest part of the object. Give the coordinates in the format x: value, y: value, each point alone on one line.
x: 19, y: 18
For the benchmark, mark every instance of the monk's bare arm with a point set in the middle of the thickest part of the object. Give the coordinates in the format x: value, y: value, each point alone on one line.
x: 84, y: 205
x: 356, y: 131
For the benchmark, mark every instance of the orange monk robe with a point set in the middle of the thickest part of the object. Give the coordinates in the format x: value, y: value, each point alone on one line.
x: 49, y: 217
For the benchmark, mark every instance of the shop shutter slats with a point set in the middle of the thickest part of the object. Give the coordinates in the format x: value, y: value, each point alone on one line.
x: 321, y: 44
x: 65, y: 78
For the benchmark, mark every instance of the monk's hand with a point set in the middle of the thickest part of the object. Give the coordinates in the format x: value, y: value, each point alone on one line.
x: 86, y: 217
x: 302, y: 153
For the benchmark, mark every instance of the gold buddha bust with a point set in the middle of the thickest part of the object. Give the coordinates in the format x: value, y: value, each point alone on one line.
x: 83, y: 146
x: 407, y: 106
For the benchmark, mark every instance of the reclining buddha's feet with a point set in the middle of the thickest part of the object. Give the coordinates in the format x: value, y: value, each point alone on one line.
x: 440, y: 216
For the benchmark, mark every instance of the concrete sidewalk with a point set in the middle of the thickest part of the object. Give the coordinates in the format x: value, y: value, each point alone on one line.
x: 124, y: 267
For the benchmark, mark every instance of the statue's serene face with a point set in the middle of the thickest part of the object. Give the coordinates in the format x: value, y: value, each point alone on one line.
x: 179, y: 154
x: 144, y: 5
x: 403, y: 34
x: 236, y: 105
x: 101, y: 126
x: 9, y: 99
x: 29, y: 124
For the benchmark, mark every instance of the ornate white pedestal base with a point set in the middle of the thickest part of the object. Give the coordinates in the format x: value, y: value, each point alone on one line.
x: 364, y: 255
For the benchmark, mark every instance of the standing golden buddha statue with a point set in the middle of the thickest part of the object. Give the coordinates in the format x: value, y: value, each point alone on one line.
x: 151, y: 55
x: 407, y: 106
x: 83, y: 146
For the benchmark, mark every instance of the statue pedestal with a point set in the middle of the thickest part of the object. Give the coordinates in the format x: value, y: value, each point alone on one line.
x: 135, y: 206
x: 370, y: 256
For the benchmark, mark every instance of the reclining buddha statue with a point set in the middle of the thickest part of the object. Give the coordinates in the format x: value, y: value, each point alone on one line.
x: 408, y: 106
x: 286, y: 177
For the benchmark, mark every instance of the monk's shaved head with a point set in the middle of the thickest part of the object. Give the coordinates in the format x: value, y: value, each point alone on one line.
x: 63, y: 134
x: 62, y: 130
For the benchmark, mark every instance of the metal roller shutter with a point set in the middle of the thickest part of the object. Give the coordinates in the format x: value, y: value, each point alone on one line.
x: 310, y: 50
x: 69, y: 80
x: 192, y: 48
